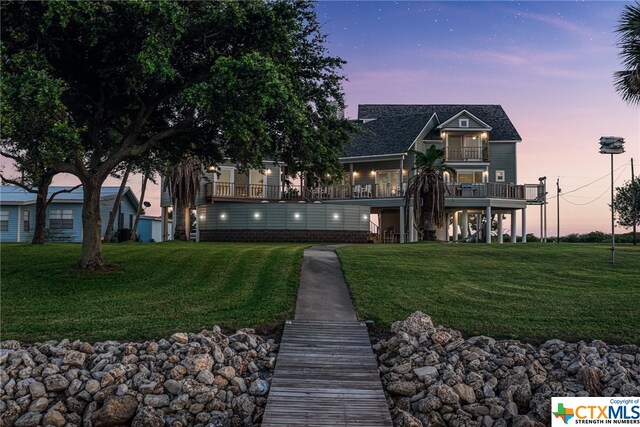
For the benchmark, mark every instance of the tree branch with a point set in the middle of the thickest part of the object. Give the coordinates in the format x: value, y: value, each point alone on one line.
x: 18, y: 184
x: 68, y: 190
x: 11, y: 156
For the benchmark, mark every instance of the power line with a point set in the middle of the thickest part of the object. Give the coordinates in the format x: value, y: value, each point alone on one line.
x: 594, y: 200
x: 593, y: 182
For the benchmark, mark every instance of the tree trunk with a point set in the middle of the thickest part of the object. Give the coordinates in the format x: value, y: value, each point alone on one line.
x: 91, y: 253
x: 40, y: 230
x: 116, y: 205
x: 139, y: 210
x: 179, y: 221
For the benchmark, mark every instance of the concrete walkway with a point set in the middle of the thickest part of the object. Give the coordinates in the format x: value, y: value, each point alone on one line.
x: 326, y: 372
x: 323, y: 294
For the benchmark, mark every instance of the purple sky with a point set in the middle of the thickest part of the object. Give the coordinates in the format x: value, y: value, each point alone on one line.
x: 549, y: 64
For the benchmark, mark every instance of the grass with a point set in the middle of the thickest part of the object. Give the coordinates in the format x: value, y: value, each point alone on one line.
x: 532, y: 292
x: 160, y: 289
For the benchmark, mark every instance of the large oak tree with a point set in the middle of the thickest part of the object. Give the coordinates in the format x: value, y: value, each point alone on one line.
x: 245, y: 80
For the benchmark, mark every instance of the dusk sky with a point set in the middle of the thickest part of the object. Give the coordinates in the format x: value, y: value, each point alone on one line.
x: 549, y: 64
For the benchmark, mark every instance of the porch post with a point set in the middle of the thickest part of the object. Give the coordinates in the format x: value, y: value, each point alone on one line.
x: 500, y: 236
x: 478, y: 227
x: 20, y: 223
x: 353, y: 178
x: 455, y: 226
x: 197, y: 226
x: 488, y: 225
x: 465, y: 224
x: 524, y: 225
x: 401, y: 175
x: 410, y: 225
x: 514, y: 236
x: 402, y: 228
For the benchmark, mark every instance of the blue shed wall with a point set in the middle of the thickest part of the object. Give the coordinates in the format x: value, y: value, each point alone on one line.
x: 11, y: 235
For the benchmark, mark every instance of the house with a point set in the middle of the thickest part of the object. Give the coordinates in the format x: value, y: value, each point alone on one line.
x: 480, y: 144
x: 64, y: 214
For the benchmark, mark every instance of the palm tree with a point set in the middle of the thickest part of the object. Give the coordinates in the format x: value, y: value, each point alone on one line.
x: 183, y: 182
x: 426, y: 191
x: 627, y: 82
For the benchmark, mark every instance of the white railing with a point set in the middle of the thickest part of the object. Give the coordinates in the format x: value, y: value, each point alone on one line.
x: 532, y: 193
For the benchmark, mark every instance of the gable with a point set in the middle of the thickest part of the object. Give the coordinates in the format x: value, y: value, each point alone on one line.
x: 464, y: 120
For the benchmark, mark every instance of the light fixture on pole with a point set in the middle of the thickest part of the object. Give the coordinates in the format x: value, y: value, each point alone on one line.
x: 612, y: 145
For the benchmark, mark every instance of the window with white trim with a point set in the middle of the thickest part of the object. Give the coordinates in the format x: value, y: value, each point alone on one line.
x: 499, y: 176
x: 26, y: 220
x: 4, y: 220
x: 61, y: 219
x: 463, y: 123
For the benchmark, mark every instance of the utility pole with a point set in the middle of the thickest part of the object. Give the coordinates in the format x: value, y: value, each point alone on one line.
x: 558, y: 204
x: 633, y: 203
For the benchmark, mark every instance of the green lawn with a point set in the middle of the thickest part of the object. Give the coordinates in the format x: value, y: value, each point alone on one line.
x: 162, y: 288
x: 530, y: 291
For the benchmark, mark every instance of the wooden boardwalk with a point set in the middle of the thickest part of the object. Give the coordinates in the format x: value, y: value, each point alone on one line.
x: 326, y: 375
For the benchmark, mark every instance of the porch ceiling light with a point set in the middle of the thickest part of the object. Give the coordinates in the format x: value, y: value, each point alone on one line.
x: 296, y: 215
x: 256, y: 215
x: 223, y: 216
x: 373, y: 173
x: 365, y: 217
x: 211, y: 168
x: 268, y: 172
x: 336, y: 216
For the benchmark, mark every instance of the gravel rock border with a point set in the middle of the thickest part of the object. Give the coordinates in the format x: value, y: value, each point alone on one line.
x: 205, y: 379
x: 433, y: 376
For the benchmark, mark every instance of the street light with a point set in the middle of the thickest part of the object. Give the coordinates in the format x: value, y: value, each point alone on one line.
x: 612, y: 145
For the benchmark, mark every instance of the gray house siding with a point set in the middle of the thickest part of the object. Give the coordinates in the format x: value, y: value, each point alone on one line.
x: 502, y: 156
x: 455, y: 123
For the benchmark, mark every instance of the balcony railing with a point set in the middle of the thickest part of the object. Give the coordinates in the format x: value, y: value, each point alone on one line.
x: 532, y: 193
x: 467, y: 154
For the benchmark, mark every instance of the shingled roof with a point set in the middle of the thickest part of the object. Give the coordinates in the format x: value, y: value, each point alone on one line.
x: 386, y: 135
x: 493, y: 115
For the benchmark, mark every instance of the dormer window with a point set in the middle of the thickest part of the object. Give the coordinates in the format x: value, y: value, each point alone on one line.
x: 463, y: 123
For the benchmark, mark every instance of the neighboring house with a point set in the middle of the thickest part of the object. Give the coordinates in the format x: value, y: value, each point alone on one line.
x: 480, y: 145
x: 64, y: 214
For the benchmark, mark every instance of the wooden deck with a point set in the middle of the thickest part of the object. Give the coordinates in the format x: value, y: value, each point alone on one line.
x: 326, y: 375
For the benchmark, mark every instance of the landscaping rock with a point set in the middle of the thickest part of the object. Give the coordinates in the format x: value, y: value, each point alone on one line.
x: 434, y: 376
x: 190, y: 379
x: 116, y: 410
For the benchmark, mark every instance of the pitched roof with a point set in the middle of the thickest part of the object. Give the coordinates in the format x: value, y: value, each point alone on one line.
x: 386, y: 135
x: 493, y: 115
x: 10, y: 194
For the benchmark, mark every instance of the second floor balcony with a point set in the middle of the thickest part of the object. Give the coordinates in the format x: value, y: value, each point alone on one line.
x: 532, y: 193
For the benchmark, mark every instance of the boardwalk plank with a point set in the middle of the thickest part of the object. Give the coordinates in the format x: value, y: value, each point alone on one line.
x: 326, y: 375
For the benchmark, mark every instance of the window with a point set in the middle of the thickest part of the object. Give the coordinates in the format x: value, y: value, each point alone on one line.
x: 120, y: 221
x: 463, y: 123
x: 4, y: 220
x: 500, y: 176
x: 61, y: 219
x: 130, y: 221
x: 26, y: 219
x: 469, y: 177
